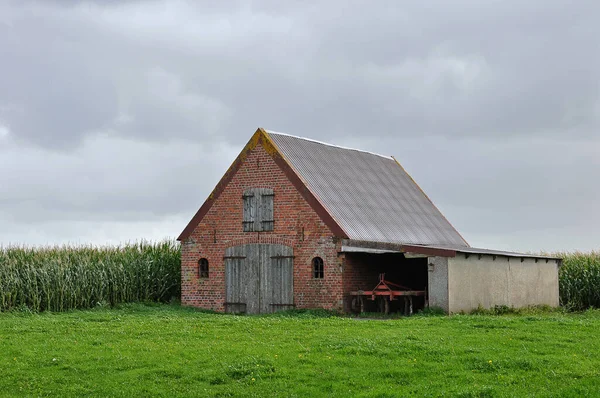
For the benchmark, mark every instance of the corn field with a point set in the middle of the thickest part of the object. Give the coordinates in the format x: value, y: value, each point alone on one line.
x: 67, y: 277
x: 579, y: 280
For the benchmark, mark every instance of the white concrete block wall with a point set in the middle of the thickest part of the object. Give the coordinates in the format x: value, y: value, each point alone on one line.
x: 486, y: 282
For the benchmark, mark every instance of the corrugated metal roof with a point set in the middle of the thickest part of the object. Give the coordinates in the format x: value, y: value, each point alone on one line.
x: 370, y: 196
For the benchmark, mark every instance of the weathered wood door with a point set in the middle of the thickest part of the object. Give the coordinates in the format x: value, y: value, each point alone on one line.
x: 259, y: 278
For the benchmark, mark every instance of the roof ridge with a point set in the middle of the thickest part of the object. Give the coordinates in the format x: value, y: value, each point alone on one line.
x: 327, y: 144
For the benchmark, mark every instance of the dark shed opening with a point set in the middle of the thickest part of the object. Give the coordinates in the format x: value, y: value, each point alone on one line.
x: 406, y: 277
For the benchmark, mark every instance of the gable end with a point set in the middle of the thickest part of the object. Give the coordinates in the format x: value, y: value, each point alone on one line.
x: 260, y: 137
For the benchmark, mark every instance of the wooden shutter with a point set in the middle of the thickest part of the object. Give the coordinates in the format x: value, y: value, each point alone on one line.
x: 250, y: 210
x: 265, y: 209
x: 258, y: 209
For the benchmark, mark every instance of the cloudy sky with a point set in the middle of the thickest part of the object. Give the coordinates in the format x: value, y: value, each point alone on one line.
x: 117, y: 118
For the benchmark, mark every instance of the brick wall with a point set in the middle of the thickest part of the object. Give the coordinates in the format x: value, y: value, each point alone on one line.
x: 358, y: 275
x: 296, y: 224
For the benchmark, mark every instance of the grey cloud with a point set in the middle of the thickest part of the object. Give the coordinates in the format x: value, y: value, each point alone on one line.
x: 142, y: 108
x: 461, y: 68
x: 50, y: 94
x: 107, y: 108
x: 108, y: 179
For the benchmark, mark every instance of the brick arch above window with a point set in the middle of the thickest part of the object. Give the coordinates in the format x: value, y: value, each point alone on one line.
x: 258, y: 238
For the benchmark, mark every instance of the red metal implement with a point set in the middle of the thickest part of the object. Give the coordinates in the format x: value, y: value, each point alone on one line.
x: 388, y: 290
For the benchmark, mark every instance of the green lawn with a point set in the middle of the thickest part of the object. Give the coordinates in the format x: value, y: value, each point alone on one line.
x: 171, y: 351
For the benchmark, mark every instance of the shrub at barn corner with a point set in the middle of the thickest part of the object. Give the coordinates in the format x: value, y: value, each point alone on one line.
x: 579, y: 280
x: 71, y: 277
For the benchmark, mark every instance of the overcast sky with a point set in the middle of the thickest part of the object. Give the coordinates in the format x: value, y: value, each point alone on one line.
x: 117, y: 118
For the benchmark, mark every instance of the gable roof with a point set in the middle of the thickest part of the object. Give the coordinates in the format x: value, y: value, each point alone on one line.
x: 359, y: 195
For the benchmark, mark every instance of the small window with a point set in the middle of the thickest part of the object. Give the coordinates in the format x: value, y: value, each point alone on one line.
x: 317, y: 264
x: 203, y: 268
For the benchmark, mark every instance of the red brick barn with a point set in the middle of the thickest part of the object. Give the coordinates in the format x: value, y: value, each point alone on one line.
x: 296, y: 223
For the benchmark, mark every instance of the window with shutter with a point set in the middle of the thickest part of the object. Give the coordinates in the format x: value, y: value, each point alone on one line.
x: 258, y: 210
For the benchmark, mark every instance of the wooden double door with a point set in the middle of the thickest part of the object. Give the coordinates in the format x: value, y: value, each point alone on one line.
x: 259, y: 278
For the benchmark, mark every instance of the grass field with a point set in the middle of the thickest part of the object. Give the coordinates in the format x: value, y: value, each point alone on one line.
x: 164, y: 350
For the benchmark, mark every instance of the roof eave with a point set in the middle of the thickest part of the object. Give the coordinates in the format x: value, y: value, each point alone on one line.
x: 439, y: 250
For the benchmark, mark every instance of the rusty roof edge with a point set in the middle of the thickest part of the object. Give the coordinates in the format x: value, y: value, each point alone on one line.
x: 336, y: 228
x: 372, y: 244
x: 400, y: 247
x: 430, y: 201
x: 356, y: 249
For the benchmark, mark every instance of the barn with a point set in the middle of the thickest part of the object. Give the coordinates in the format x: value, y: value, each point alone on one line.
x: 297, y: 223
